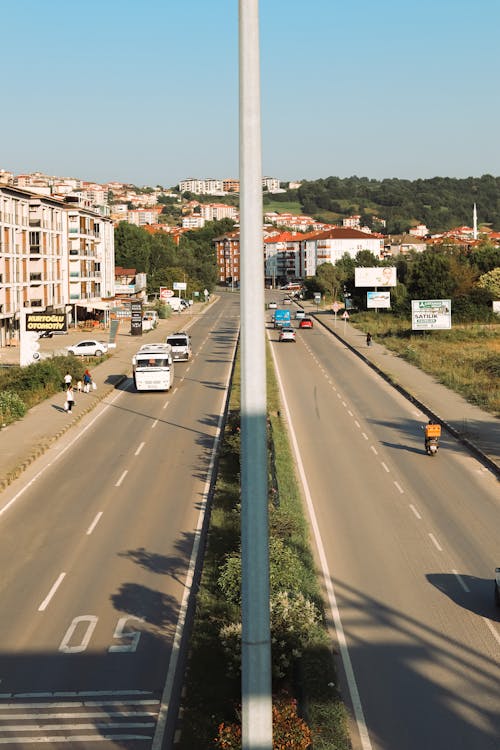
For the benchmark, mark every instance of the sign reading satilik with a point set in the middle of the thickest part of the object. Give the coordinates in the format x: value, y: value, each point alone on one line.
x: 430, y: 314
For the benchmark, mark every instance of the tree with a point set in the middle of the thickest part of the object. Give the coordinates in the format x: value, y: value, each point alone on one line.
x: 430, y: 276
x: 330, y: 280
x: 491, y: 282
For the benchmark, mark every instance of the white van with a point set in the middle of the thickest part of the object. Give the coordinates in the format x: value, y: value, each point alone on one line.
x: 181, y: 345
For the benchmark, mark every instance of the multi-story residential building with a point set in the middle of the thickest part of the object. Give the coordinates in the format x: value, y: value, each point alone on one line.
x: 231, y: 186
x: 208, y: 186
x: 91, y: 256
x: 218, y: 211
x: 227, y: 250
x: 33, y: 257
x: 331, y: 245
x: 142, y: 216
x: 193, y: 221
x: 129, y: 284
x: 283, y: 259
x: 54, y: 254
x: 272, y: 184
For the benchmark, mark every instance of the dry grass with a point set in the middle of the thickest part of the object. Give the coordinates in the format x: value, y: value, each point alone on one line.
x: 465, y: 358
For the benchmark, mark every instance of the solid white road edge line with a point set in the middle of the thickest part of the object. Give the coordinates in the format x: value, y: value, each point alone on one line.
x: 344, y: 651
x: 161, y: 724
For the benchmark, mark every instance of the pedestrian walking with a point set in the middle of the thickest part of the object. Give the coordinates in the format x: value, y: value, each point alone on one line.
x: 70, y: 400
x: 79, y: 386
x: 368, y: 339
x: 67, y: 380
x: 87, y: 381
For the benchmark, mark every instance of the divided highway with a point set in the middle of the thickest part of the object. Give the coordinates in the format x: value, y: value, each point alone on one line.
x: 97, y: 557
x: 407, y: 546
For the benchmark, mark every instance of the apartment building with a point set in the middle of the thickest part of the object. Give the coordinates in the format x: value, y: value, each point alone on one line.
x: 227, y: 250
x: 283, y: 258
x: 54, y: 254
x: 202, y: 187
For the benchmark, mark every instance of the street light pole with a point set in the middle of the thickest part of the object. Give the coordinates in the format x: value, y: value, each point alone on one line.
x: 257, y: 729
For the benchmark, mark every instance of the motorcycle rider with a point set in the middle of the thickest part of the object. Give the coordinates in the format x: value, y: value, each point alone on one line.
x: 432, y: 433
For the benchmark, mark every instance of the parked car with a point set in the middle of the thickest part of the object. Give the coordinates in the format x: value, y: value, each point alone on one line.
x: 88, y: 348
x: 300, y: 314
x: 273, y: 305
x: 287, y: 300
x: 49, y: 334
x: 306, y: 323
x: 287, y: 334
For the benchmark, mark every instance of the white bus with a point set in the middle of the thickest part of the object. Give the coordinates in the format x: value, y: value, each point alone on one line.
x: 153, y: 368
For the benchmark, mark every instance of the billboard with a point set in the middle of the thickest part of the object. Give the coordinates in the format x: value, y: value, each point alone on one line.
x: 136, y: 317
x: 382, y: 276
x: 46, y: 322
x: 180, y: 286
x: 430, y: 314
x: 378, y: 299
x: 165, y: 293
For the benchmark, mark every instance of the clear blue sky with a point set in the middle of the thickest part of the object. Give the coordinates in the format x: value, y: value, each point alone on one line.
x: 147, y: 92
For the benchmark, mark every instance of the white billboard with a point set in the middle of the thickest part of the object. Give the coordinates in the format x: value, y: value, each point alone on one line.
x: 180, y: 286
x: 382, y: 276
x: 430, y: 314
x: 378, y: 299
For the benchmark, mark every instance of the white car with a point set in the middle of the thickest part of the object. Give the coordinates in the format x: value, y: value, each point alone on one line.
x: 272, y: 305
x: 88, y: 348
x: 287, y: 334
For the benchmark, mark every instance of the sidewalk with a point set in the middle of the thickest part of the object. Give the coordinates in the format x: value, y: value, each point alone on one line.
x: 475, y: 428
x: 25, y: 440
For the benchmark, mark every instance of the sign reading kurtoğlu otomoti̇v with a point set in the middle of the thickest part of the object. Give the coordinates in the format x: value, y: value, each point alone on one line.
x: 430, y: 314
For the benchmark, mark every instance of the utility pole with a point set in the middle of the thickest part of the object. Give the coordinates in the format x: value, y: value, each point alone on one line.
x: 257, y: 727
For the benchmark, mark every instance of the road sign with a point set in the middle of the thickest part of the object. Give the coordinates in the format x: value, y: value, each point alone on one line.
x: 336, y: 307
x: 345, y: 315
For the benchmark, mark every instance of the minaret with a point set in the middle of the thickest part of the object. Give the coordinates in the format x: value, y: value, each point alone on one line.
x: 475, y: 222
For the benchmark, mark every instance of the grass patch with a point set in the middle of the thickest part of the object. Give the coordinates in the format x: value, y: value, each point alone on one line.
x: 213, y: 690
x: 465, y: 358
x: 29, y: 386
x: 291, y: 207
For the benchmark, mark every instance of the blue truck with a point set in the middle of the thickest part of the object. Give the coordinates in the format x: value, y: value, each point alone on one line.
x: 281, y: 318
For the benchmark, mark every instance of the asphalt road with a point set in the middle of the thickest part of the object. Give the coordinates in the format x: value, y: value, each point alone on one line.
x: 98, y: 555
x: 406, y: 546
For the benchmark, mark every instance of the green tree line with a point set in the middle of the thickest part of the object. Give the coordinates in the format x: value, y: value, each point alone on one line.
x: 193, y: 260
x: 440, y: 203
x: 470, y: 279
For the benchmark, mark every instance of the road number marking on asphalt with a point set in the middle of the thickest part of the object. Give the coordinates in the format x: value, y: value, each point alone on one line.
x: 89, y: 622
x: 120, y: 632
x: 65, y: 647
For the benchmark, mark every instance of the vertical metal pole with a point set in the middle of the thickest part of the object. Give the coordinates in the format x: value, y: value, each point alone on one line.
x: 256, y: 642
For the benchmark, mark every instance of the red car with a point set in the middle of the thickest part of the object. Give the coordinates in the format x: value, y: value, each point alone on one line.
x: 306, y: 323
